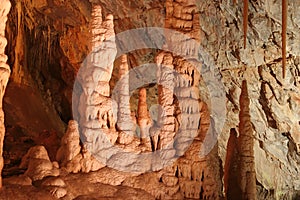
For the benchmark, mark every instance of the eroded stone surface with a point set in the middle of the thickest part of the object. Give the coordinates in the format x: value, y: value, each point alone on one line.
x: 273, y: 107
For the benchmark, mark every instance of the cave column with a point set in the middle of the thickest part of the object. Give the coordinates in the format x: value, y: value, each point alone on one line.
x: 95, y: 105
x: 4, y: 73
x: 125, y: 124
x: 166, y: 119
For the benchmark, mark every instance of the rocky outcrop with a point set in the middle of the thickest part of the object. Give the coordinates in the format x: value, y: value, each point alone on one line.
x: 4, y: 74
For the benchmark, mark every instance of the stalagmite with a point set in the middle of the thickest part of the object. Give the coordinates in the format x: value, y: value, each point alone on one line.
x: 143, y: 119
x: 4, y: 73
x: 124, y: 123
x: 247, y: 180
x: 166, y: 120
x: 95, y: 105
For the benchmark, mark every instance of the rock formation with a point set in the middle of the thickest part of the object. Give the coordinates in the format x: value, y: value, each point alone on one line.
x: 254, y: 156
x: 38, y: 164
x: 5, y: 72
x: 125, y: 123
x: 144, y: 120
x: 247, y: 179
x: 95, y: 108
x: 72, y: 156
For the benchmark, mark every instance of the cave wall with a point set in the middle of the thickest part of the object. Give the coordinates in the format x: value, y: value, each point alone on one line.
x: 5, y: 72
x: 273, y: 115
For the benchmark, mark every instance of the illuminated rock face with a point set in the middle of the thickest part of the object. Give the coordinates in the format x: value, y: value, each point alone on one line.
x: 72, y: 156
x: 260, y: 139
x: 4, y: 75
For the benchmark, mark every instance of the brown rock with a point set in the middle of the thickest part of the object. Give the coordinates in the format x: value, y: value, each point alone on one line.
x: 4, y: 75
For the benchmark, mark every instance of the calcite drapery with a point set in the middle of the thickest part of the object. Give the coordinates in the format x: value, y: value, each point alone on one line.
x: 4, y: 72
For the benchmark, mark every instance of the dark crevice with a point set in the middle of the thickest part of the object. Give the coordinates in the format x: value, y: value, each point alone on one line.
x: 266, y: 108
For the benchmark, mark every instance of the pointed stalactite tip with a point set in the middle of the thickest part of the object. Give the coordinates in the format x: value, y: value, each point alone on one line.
x: 284, y: 30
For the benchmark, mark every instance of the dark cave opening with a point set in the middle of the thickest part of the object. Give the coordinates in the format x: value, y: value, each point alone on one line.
x: 37, y: 103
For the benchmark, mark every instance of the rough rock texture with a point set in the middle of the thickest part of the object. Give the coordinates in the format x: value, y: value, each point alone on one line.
x: 125, y: 123
x: 95, y: 108
x: 268, y: 164
x: 4, y: 75
x: 72, y: 156
x: 38, y: 164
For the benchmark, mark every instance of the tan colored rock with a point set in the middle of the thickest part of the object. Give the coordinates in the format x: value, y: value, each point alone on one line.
x: 72, y: 156
x: 18, y: 180
x: 144, y: 121
x: 124, y: 122
x: 4, y: 74
x: 97, y: 121
x: 54, y: 181
x: 58, y: 192
x: 166, y: 121
x: 247, y: 179
x: 38, y: 164
x: 70, y: 146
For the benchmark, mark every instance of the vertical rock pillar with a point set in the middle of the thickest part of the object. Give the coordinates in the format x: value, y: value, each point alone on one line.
x: 247, y: 180
x: 125, y: 124
x: 4, y: 73
x: 143, y: 119
x: 95, y: 105
x: 166, y: 119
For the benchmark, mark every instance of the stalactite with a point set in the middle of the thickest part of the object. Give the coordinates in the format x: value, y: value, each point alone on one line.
x: 284, y: 29
x: 49, y: 40
x: 124, y: 113
x: 4, y: 74
x: 17, y: 74
x: 245, y: 21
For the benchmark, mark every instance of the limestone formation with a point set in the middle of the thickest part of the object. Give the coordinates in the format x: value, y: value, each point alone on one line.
x: 4, y: 75
x: 255, y: 154
x: 70, y: 146
x: 125, y: 123
x: 95, y: 108
x: 38, y: 164
x: 247, y: 179
x: 72, y: 156
x: 143, y: 119
x: 166, y: 79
